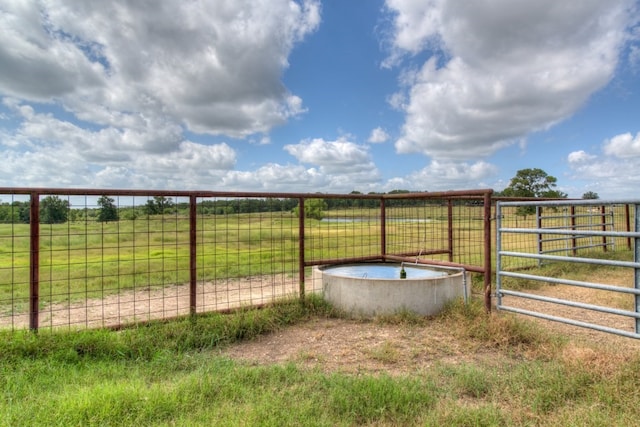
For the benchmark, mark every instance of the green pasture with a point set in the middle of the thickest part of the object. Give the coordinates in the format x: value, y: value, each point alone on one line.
x: 90, y: 258
x: 502, y: 371
x: 81, y: 259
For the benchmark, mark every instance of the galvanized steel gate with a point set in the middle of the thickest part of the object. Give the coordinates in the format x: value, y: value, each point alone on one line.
x: 520, y: 256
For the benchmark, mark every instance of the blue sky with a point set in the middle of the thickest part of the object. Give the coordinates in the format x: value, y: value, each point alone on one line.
x: 320, y: 96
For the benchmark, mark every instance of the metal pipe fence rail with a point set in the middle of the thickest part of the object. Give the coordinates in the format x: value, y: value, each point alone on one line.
x: 81, y: 258
x: 534, y: 282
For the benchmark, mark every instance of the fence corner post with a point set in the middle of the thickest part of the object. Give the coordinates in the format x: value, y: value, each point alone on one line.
x: 487, y: 251
x: 34, y: 261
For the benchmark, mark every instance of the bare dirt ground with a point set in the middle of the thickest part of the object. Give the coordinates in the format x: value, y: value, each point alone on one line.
x: 152, y: 303
x: 357, y: 346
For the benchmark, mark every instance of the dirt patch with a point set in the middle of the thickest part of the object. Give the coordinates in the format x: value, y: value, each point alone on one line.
x: 355, y: 346
x: 358, y: 346
x: 153, y: 303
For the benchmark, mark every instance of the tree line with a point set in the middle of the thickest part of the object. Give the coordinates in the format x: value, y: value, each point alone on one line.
x: 55, y: 210
x: 533, y: 182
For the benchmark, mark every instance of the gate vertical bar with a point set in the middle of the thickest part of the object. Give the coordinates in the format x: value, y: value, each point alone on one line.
x: 301, y: 261
x: 603, y: 218
x: 487, y: 251
x: 628, y: 223
x: 34, y: 261
x: 498, y: 256
x: 574, y: 241
x: 636, y: 258
x: 539, y: 225
x: 383, y: 228
x: 193, y: 262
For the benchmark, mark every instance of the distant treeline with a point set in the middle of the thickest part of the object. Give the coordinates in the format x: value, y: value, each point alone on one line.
x: 54, y: 210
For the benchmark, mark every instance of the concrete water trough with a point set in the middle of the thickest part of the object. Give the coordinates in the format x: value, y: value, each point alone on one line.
x: 371, y: 289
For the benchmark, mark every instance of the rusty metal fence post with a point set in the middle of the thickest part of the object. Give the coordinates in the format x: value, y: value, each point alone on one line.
x: 450, y: 228
x: 301, y: 261
x: 193, y: 265
x: 487, y: 250
x: 34, y: 261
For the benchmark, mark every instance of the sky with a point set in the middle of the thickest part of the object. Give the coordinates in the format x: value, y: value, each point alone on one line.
x: 326, y: 96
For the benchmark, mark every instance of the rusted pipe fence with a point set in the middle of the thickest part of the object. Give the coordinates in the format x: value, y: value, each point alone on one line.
x: 91, y: 258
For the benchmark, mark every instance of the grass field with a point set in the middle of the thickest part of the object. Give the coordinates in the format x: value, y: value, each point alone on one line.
x: 85, y: 259
x: 176, y: 374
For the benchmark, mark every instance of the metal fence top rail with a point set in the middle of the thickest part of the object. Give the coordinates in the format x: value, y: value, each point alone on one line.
x: 230, y: 194
x: 564, y: 202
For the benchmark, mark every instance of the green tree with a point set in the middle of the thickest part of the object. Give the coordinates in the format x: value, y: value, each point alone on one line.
x: 533, y: 183
x: 590, y: 195
x: 108, y: 210
x: 54, y: 210
x: 313, y: 208
x: 159, y: 205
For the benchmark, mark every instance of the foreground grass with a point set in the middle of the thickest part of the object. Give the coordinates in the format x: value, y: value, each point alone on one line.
x: 171, y: 374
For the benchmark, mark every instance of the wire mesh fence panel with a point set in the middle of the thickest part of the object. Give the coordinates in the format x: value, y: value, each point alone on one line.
x: 84, y: 258
x: 418, y: 228
x: 347, y: 229
x: 101, y: 270
x: 451, y: 230
x: 247, y: 252
x: 14, y: 260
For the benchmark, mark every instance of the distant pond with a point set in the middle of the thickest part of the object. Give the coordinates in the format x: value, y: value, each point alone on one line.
x: 374, y: 219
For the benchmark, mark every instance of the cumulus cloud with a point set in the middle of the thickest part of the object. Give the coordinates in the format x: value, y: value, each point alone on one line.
x: 114, y: 87
x: 212, y: 67
x: 274, y: 177
x: 499, y: 69
x: 623, y: 146
x: 443, y: 176
x: 613, y: 171
x: 378, y: 135
x: 579, y: 157
x: 340, y: 156
x: 46, y: 151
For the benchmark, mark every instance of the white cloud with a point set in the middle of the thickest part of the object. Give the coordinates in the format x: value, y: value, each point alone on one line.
x: 623, y: 146
x: 443, y: 176
x: 378, y: 135
x: 579, y: 156
x: 103, y: 93
x: 415, y: 25
x: 340, y: 156
x: 45, y: 151
x: 611, y: 173
x: 276, y: 178
x: 499, y: 69
x: 213, y: 67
